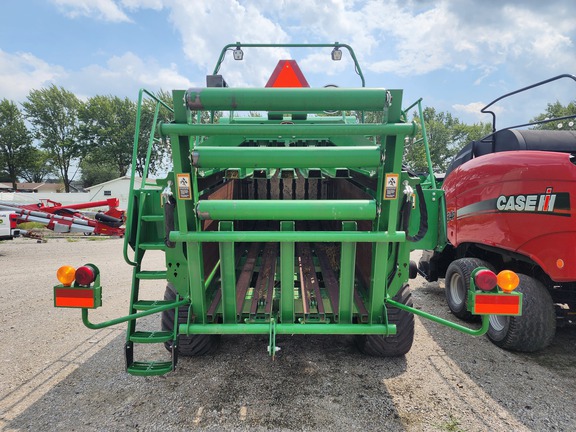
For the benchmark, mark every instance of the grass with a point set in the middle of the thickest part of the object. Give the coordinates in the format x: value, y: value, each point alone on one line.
x: 452, y: 425
x: 31, y: 225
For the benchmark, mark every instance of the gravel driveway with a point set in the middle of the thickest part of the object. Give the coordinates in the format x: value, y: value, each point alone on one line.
x: 57, y: 375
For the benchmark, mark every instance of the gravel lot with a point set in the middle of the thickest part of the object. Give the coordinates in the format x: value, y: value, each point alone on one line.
x: 58, y: 375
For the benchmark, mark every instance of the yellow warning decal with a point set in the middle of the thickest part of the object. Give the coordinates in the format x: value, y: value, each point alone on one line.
x: 183, y: 184
x: 391, y: 187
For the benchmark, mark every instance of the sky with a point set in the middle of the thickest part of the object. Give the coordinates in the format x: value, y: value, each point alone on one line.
x: 458, y: 55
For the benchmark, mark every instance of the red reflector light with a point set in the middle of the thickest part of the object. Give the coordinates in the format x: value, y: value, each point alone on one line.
x: 78, y: 298
x: 85, y: 275
x: 485, y: 280
x: 497, y: 304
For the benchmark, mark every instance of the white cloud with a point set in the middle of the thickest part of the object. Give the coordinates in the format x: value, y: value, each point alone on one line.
x: 206, y: 26
x: 473, y: 110
x: 22, y: 72
x: 107, y: 10
x: 124, y: 75
x: 143, y: 4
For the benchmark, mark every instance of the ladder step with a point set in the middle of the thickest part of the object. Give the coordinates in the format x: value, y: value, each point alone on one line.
x: 153, y: 218
x: 151, y: 274
x: 151, y: 337
x: 149, y: 368
x: 152, y: 246
x: 150, y: 304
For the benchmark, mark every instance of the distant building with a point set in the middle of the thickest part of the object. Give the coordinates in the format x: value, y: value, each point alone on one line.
x: 117, y: 188
x: 33, y: 187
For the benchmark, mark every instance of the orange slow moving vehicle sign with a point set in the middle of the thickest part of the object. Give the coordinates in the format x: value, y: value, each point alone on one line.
x: 287, y: 74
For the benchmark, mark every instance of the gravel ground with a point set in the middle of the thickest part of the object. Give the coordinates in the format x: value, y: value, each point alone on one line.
x: 58, y: 375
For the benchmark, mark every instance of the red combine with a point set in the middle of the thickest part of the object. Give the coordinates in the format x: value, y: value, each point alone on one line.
x: 510, y: 203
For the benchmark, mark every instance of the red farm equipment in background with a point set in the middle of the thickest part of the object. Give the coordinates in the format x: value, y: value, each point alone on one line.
x: 67, y: 218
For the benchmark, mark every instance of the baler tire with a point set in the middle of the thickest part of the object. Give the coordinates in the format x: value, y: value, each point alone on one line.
x: 457, y: 285
x: 534, y: 330
x: 188, y: 345
x: 396, y: 345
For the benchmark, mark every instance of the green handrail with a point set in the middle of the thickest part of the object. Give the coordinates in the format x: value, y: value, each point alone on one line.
x: 129, y: 221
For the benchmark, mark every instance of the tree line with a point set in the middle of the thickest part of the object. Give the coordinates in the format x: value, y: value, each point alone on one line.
x: 54, y: 131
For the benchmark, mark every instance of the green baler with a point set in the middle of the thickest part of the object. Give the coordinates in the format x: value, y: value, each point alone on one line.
x: 292, y: 222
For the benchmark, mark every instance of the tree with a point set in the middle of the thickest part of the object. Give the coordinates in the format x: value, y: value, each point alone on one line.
x: 558, y: 110
x: 96, y: 173
x: 15, y: 141
x: 446, y: 136
x: 107, y: 130
x: 38, y: 166
x: 53, y: 113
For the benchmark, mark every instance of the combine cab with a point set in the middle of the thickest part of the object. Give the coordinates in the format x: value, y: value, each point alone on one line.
x: 294, y: 222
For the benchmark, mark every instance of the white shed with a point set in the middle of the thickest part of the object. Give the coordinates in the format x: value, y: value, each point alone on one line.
x: 117, y: 188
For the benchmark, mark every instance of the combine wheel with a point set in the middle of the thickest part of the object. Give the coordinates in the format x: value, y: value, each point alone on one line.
x: 191, y: 345
x: 535, y: 328
x: 458, y: 283
x: 401, y: 342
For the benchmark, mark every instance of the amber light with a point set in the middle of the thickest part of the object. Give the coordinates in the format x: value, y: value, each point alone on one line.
x: 508, y: 280
x: 66, y: 275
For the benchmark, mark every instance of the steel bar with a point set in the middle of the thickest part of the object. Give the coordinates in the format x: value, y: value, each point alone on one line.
x: 287, y: 275
x: 330, y: 280
x: 130, y: 317
x: 266, y: 272
x: 473, y: 332
x: 309, y: 279
x: 243, y: 282
x: 288, y: 130
x: 271, y: 281
x: 296, y: 236
x: 303, y: 328
x: 304, y: 293
x: 362, y: 311
x: 286, y: 99
x: 211, y: 313
x: 347, y: 273
x: 286, y: 157
x: 287, y: 210
x: 228, y: 276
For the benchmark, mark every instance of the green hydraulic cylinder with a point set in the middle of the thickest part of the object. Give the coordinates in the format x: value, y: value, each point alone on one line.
x: 286, y: 209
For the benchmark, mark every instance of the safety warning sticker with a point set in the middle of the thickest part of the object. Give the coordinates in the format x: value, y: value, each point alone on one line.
x: 184, y: 190
x: 391, y: 186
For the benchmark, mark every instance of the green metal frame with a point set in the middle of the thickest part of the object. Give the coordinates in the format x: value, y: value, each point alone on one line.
x: 214, y: 165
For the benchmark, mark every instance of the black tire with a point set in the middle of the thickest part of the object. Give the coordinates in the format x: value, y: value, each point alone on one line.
x: 398, y: 344
x: 457, y: 285
x: 188, y: 345
x: 535, y: 328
